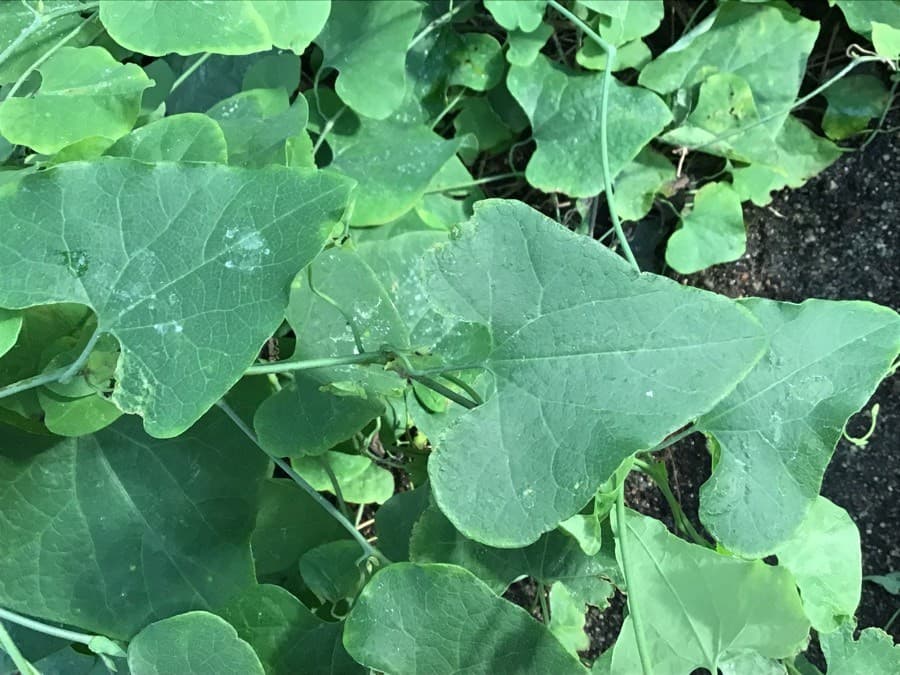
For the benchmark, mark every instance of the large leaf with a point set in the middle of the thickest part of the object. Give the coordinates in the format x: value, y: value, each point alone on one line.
x: 776, y: 432
x: 711, y: 232
x: 399, y: 614
x: 198, y: 643
x: 861, y: 14
x: 84, y: 92
x: 188, y: 266
x: 179, y: 138
x: 824, y: 557
x: 286, y: 636
x: 112, y: 531
x: 392, y: 162
x: 366, y: 42
x: 360, y: 479
x: 592, y: 362
x: 555, y: 556
x: 699, y: 608
x: 158, y: 27
x: 766, y: 45
x: 564, y: 109
x: 874, y: 652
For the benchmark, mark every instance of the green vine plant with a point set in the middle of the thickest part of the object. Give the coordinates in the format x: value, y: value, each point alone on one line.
x: 297, y: 374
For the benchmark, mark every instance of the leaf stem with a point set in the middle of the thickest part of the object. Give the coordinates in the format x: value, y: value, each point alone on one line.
x: 474, y: 183
x: 40, y: 627
x: 619, y: 533
x: 329, y: 125
x: 604, y: 137
x: 446, y: 392
x: 46, y: 55
x: 312, y: 364
x: 884, y: 114
x: 542, y: 598
x: 437, y: 23
x: 367, y: 548
x: 190, y: 71
x: 6, y: 644
x: 474, y: 395
x: 335, y: 486
x: 658, y: 474
x: 63, y: 374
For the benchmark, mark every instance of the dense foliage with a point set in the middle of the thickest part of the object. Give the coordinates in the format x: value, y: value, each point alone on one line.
x: 251, y: 288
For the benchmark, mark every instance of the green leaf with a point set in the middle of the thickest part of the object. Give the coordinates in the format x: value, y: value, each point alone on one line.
x: 395, y: 520
x: 189, y: 137
x: 523, y: 15
x: 256, y: 124
x: 331, y: 571
x: 766, y: 45
x: 635, y: 54
x: 590, y: 366
x: 477, y: 62
x: 198, y: 643
x: 525, y: 47
x: 84, y: 92
x: 288, y: 524
x: 798, y: 155
x: 393, y: 625
x: 188, y: 266
x: 862, y: 14
x: 10, y: 325
x: 360, y: 479
x: 637, y: 185
x: 278, y: 70
x: 874, y: 652
x: 555, y: 556
x: 699, y: 608
x: 77, y: 416
x: 393, y: 164
x: 622, y: 21
x: 112, y: 531
x: 886, y: 39
x: 367, y: 42
x: 567, y: 616
x: 889, y: 582
x: 158, y: 27
x: 824, y: 556
x: 777, y: 430
x: 564, y: 110
x: 478, y: 117
x: 304, y: 419
x: 711, y: 232
x: 286, y: 636
x: 852, y: 102
x: 16, y: 17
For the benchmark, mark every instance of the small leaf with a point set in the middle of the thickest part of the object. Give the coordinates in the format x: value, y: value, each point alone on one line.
x: 567, y: 617
x: 197, y: 280
x: 136, y: 529
x: 635, y: 54
x: 367, y: 42
x: 824, y: 556
x: 158, y: 27
x: 525, y: 47
x: 712, y: 232
x: 889, y: 582
x: 478, y: 62
x: 886, y: 39
x: 523, y: 15
x: 395, y: 520
x: 303, y: 419
x: 640, y: 181
x: 189, y: 137
x: 360, y: 479
x: 77, y: 416
x: 622, y: 21
x: 700, y: 608
x: 777, y: 430
x: 10, y: 325
x: 861, y: 16
x: 332, y: 571
x: 392, y: 626
x: 198, y: 643
x: 873, y: 652
x: 852, y: 102
x: 103, y: 645
x: 84, y: 92
x: 564, y: 110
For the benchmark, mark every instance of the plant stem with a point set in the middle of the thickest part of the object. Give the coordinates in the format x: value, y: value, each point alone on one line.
x: 63, y: 374
x: 447, y: 109
x: 38, y: 22
x: 190, y: 71
x: 311, y: 364
x: 53, y: 631
x: 890, y: 622
x: 542, y: 598
x: 19, y: 661
x: 474, y: 395
x: 46, y: 55
x: 604, y: 137
x: 474, y: 183
x: 367, y: 548
x: 619, y: 533
x: 657, y: 472
x: 884, y: 114
x: 446, y: 392
x: 437, y: 23
x: 335, y: 486
x: 329, y: 125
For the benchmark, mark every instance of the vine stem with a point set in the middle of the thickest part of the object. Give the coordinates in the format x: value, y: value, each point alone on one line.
x: 656, y: 471
x: 437, y: 23
x: 474, y: 183
x: 46, y: 629
x: 311, y: 364
x: 19, y: 661
x: 46, y: 55
x: 604, y: 137
x: 190, y: 71
x: 639, y: 638
x: 368, y: 549
x: 63, y: 374
x: 38, y: 22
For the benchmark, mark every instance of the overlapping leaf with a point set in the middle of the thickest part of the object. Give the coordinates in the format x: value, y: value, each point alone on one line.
x: 711, y: 232
x: 112, y: 531
x: 873, y: 652
x: 189, y: 137
x: 776, y: 431
x: 564, y: 109
x: 397, y: 617
x: 188, y: 266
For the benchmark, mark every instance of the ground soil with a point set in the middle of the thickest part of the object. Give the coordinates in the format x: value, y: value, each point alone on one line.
x: 836, y: 238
